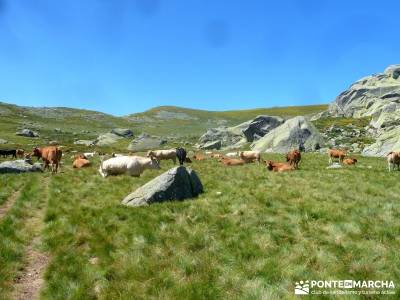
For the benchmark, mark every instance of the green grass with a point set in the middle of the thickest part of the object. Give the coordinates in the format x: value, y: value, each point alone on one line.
x: 15, y: 229
x: 261, y: 234
x: 324, y: 123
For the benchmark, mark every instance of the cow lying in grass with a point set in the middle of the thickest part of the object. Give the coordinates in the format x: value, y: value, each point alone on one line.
x: 293, y: 158
x: 349, y: 161
x: 131, y: 165
x: 163, y: 154
x: 226, y: 161
x: 80, y: 163
x: 279, y: 167
x: 199, y: 156
x: 336, y: 153
x: 393, y: 159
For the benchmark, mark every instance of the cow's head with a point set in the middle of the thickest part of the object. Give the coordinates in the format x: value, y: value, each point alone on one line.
x: 150, y: 153
x: 270, y: 165
x: 36, y: 152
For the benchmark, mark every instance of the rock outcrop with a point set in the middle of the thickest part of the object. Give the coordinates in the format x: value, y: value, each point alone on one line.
x: 238, y: 136
x: 295, y: 133
x: 19, y: 166
x: 123, y: 132
x: 145, y: 142
x: 27, y: 133
x: 378, y: 97
x: 84, y: 142
x: 178, y: 183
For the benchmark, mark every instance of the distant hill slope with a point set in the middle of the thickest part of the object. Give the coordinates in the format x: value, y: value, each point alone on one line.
x: 164, y: 120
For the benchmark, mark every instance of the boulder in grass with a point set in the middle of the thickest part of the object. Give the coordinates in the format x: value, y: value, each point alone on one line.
x: 3, y: 141
x: 27, y: 133
x: 178, y: 183
x: 124, y: 132
x: 19, y: 166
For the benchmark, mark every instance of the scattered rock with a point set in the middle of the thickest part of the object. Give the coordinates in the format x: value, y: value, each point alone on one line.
x: 19, y: 166
x: 84, y: 142
x: 295, y: 133
x: 145, y: 142
x: 27, y: 133
x: 107, y: 139
x: 3, y: 141
x: 123, y: 132
x: 216, y: 145
x: 335, y: 166
x: 178, y: 183
x: 260, y: 126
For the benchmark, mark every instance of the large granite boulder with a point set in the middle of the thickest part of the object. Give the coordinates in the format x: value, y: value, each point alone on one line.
x: 146, y: 142
x: 178, y: 183
x: 123, y: 132
x: 212, y: 145
x: 27, y: 133
x: 260, y: 126
x: 295, y: 133
x: 107, y: 139
x: 19, y: 166
x: 85, y: 142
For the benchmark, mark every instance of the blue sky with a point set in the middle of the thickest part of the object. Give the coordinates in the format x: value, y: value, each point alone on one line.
x: 127, y: 56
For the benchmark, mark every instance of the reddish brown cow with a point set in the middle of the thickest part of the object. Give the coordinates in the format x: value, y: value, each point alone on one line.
x: 232, y: 161
x: 50, y: 155
x: 199, y: 156
x: 293, y: 158
x: 349, y: 161
x: 80, y: 163
x: 336, y: 153
x: 393, y: 159
x: 279, y: 167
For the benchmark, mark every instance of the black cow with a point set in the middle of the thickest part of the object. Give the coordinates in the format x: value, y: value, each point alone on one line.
x: 181, y: 155
x: 6, y: 153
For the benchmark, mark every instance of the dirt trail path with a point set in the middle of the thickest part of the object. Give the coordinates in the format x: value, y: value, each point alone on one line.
x: 30, y: 280
x: 6, y: 206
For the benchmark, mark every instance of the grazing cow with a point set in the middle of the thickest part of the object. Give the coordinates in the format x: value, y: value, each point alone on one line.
x: 393, y: 159
x: 231, y: 154
x: 7, y: 152
x: 163, y: 154
x: 250, y: 156
x: 336, y: 153
x: 50, y: 155
x: 293, y: 158
x: 232, y: 161
x: 199, y: 156
x: 131, y: 165
x: 80, y: 163
x: 349, y: 161
x: 181, y: 155
x: 279, y: 167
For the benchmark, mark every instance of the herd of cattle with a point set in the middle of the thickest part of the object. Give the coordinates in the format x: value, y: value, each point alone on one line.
x: 134, y: 165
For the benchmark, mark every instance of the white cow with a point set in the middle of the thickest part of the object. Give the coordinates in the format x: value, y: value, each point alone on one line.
x: 131, y: 165
x: 231, y: 154
x: 250, y: 155
x: 393, y: 159
x: 163, y: 154
x: 89, y: 154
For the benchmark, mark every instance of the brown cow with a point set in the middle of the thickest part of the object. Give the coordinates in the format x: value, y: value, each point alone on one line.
x: 279, y: 167
x: 20, y: 153
x: 336, y: 153
x: 50, y: 155
x: 393, y: 159
x: 232, y: 161
x: 349, y: 161
x: 80, y: 163
x: 199, y: 156
x: 293, y: 158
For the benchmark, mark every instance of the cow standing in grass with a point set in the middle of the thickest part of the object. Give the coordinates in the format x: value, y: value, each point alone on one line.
x: 181, y: 155
x: 393, y: 159
x: 293, y: 158
x: 163, y: 154
x: 131, y: 165
x: 50, y: 155
x: 336, y: 153
x: 7, y: 152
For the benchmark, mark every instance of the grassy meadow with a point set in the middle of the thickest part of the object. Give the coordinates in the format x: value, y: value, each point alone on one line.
x: 251, y: 235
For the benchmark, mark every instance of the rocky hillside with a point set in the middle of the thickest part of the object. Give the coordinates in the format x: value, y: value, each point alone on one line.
x: 376, y: 97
